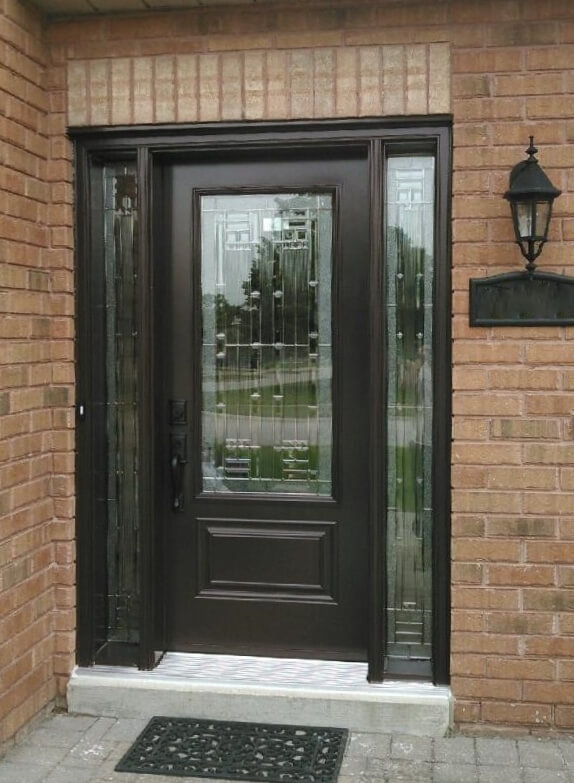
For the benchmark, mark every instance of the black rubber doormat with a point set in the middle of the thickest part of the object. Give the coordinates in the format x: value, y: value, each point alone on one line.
x: 187, y: 747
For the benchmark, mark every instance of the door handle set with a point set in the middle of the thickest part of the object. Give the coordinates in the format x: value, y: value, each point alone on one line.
x: 177, y: 463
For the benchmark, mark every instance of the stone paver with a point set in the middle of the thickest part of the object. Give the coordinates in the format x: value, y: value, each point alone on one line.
x: 42, y: 756
x: 71, y: 775
x: 534, y: 775
x: 411, y: 748
x: 455, y: 750
x: 81, y: 749
x: 397, y: 769
x: 454, y: 773
x: 361, y: 745
x: 492, y: 774
x: 499, y: 752
x: 540, y: 754
x: 17, y: 773
x: 567, y: 750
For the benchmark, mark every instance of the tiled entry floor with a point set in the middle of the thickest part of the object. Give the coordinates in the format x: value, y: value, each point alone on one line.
x: 80, y: 749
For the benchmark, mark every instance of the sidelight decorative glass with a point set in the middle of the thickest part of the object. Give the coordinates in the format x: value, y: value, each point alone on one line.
x: 120, y: 608
x: 409, y: 222
x: 266, y: 263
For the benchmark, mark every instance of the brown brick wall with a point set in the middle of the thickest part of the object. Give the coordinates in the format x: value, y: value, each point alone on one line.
x: 36, y: 376
x: 26, y: 509
x: 513, y: 426
x: 513, y: 506
x: 61, y: 262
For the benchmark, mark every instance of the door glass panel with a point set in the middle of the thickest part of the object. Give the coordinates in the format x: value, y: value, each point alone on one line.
x: 116, y: 407
x: 266, y: 264
x: 409, y: 275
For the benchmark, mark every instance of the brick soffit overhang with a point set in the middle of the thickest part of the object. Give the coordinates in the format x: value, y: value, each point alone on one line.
x: 336, y: 82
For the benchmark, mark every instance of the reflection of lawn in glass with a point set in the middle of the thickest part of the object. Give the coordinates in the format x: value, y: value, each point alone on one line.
x: 291, y: 401
x: 408, y: 461
x: 267, y: 462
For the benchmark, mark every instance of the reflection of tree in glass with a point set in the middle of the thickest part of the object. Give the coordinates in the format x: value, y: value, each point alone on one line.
x: 410, y: 264
x: 409, y: 392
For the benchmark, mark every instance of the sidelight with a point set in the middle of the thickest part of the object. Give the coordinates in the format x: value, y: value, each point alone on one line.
x: 114, y: 413
x: 409, y: 229
x: 121, y: 258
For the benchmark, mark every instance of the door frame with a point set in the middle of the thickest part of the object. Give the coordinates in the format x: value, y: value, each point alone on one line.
x: 149, y: 146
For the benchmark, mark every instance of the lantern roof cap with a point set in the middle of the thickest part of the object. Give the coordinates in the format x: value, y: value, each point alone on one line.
x: 528, y: 179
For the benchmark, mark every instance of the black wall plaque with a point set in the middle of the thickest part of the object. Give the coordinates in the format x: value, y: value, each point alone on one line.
x: 522, y: 299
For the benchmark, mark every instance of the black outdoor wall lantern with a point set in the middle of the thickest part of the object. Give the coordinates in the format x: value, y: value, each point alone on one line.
x: 530, y: 194
x: 528, y: 297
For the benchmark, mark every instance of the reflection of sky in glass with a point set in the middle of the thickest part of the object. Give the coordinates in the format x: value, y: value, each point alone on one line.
x: 412, y: 180
x: 242, y: 222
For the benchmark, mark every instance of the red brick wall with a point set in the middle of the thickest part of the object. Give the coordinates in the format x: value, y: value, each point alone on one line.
x: 36, y: 372
x: 513, y: 426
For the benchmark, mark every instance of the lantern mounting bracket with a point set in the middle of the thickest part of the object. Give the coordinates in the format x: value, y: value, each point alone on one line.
x: 522, y: 299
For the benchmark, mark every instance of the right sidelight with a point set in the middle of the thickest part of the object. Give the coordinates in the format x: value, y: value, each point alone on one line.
x: 410, y: 242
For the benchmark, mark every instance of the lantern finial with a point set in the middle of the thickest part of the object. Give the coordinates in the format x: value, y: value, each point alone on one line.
x: 531, y: 151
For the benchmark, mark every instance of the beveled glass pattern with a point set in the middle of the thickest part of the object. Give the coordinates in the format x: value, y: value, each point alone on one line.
x: 266, y: 353
x: 409, y: 226
x: 121, y: 404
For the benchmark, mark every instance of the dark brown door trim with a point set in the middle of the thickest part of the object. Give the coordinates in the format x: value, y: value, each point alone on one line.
x: 150, y: 146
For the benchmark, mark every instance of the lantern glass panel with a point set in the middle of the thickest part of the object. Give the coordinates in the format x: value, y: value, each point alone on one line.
x: 524, y: 219
x: 542, y: 218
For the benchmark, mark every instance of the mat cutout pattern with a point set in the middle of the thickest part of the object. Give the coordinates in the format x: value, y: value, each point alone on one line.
x: 186, y: 747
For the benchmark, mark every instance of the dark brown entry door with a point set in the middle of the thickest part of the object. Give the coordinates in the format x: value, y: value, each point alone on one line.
x: 262, y: 429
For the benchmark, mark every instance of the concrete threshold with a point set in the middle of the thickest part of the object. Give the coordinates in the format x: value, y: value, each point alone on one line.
x: 265, y: 690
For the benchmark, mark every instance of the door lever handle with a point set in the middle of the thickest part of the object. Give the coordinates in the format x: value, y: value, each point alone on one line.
x: 177, y: 467
x: 177, y: 464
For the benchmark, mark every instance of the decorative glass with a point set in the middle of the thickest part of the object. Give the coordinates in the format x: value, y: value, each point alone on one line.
x: 409, y: 230
x: 266, y: 355
x: 122, y: 602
